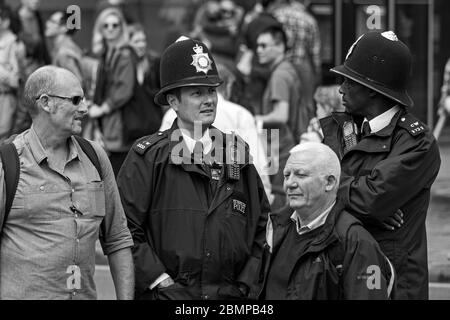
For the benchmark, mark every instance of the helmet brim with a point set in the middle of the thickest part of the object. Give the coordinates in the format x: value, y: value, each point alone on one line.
x: 208, y: 81
x: 399, y: 95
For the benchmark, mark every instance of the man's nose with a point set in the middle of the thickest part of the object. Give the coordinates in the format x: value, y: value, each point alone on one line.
x: 209, y: 98
x: 289, y: 182
x: 83, y: 109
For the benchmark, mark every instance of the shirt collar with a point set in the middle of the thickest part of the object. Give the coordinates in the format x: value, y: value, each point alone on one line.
x: 316, y: 223
x: 38, y: 150
x: 205, y: 140
x: 383, y: 120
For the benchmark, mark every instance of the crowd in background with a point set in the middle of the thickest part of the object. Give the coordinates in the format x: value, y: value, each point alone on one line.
x: 268, y: 55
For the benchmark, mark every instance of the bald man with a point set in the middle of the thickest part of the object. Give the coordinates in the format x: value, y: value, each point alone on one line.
x: 66, y: 196
x: 318, y: 250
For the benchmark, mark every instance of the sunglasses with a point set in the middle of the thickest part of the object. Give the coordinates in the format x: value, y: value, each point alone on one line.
x: 76, y: 100
x: 264, y: 45
x: 111, y: 25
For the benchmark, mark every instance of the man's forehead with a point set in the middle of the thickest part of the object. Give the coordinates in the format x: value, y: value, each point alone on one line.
x: 67, y: 82
x: 194, y: 88
x: 264, y: 37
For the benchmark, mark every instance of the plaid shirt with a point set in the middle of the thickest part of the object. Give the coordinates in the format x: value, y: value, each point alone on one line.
x: 302, y: 32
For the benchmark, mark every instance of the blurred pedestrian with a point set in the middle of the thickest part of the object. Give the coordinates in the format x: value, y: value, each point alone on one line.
x: 280, y: 109
x: 31, y: 32
x: 253, y: 74
x: 319, y: 251
x: 196, y: 207
x: 328, y: 100
x: 66, y: 53
x: 303, y: 35
x: 445, y: 89
x: 11, y: 61
x: 147, y: 114
x: 115, y: 81
x: 389, y: 158
x: 28, y: 25
x: 65, y: 199
x: 217, y: 23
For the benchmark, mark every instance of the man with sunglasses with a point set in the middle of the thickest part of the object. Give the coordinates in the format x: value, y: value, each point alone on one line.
x: 65, y: 198
x: 280, y: 103
x: 389, y: 158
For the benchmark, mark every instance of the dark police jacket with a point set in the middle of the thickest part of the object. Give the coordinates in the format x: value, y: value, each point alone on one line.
x: 210, y: 250
x: 389, y: 170
x: 343, y: 261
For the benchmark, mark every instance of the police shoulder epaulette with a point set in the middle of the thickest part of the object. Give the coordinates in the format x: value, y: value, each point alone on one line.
x: 142, y: 145
x: 413, y: 125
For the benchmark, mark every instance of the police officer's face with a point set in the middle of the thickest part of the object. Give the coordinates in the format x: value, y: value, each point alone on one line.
x: 355, y: 97
x: 304, y: 184
x: 196, y: 104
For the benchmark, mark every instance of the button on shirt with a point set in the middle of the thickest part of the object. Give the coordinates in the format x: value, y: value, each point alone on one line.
x: 48, y: 249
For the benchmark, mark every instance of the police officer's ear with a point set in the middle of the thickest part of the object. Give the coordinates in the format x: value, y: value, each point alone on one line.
x: 331, y: 183
x: 173, y: 98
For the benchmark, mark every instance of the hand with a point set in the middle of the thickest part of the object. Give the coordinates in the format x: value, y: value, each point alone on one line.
x: 245, y: 63
x: 166, y: 283
x: 396, y: 221
x: 310, y: 136
x: 96, y: 111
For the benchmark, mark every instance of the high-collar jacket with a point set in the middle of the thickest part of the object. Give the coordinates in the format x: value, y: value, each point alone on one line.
x: 335, y: 263
x: 391, y: 169
x: 208, y: 245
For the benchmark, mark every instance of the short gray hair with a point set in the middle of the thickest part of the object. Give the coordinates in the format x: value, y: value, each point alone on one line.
x: 41, y: 81
x: 326, y: 159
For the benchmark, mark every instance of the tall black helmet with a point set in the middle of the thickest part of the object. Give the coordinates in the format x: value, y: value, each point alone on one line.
x: 381, y: 62
x: 186, y: 62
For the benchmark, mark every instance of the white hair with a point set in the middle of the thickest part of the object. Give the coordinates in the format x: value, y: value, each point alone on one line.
x: 326, y: 159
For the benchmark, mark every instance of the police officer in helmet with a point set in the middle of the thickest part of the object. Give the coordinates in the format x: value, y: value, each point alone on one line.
x: 195, y: 204
x: 389, y: 158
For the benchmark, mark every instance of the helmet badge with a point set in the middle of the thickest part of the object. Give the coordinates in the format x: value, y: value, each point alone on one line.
x: 390, y: 35
x: 200, y: 60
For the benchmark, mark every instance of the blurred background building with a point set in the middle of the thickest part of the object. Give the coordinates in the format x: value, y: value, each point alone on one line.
x: 421, y: 24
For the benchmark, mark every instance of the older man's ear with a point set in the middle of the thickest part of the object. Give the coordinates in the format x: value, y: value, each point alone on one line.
x: 43, y: 102
x: 331, y: 183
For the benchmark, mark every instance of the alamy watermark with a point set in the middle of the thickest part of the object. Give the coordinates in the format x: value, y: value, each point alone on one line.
x: 74, y: 20
x: 372, y: 277
x: 228, y: 149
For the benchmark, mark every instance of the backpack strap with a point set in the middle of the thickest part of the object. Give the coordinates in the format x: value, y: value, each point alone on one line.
x: 11, y: 168
x: 90, y: 152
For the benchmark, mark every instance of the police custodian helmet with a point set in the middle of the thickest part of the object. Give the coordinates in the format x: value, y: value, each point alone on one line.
x: 186, y: 62
x: 381, y: 62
